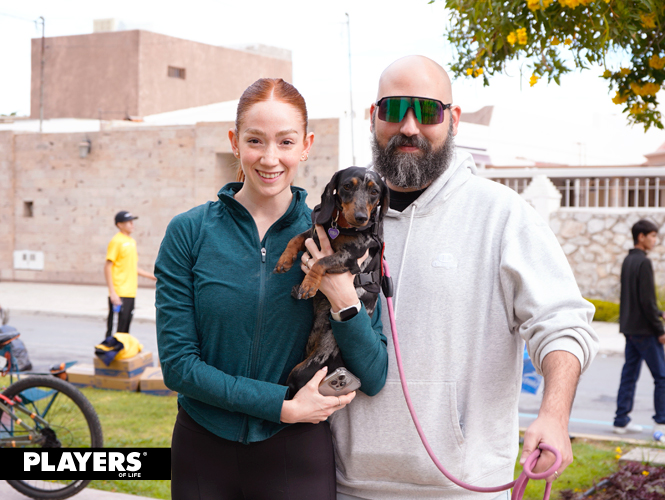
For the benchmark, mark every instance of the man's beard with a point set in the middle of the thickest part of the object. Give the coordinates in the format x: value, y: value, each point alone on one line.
x: 412, y: 170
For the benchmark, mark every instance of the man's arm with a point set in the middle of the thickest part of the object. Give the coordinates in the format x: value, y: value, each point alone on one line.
x: 108, y: 266
x: 561, y: 371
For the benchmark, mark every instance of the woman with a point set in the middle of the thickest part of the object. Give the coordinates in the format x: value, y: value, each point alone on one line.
x: 229, y: 332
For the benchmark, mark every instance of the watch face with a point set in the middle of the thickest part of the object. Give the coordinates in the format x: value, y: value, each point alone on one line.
x: 348, y: 313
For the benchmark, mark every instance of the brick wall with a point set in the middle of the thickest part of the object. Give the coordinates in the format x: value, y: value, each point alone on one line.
x: 154, y: 172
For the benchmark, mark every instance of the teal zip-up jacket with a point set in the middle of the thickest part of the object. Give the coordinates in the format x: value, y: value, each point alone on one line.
x: 228, y: 330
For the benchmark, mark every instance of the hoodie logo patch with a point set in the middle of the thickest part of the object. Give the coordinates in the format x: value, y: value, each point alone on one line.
x: 445, y: 260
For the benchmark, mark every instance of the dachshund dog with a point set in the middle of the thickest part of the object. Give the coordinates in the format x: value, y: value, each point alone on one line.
x: 351, y: 212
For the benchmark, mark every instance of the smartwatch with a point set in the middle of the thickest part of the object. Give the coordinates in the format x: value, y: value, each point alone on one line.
x: 346, y: 313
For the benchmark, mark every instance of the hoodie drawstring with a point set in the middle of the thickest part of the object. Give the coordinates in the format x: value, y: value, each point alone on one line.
x: 406, y: 244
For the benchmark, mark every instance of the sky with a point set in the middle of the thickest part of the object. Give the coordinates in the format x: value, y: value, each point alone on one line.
x: 575, y: 123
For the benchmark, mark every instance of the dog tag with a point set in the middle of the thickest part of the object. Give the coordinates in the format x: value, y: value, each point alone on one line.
x: 333, y: 232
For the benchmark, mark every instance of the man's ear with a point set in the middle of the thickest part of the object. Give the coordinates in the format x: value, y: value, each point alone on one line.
x: 455, y: 113
x: 371, y: 117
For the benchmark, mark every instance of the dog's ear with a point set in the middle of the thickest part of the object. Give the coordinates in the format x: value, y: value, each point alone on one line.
x: 328, y: 200
x: 385, y: 198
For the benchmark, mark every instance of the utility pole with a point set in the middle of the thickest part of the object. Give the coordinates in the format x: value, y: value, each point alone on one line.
x: 41, y: 86
x: 348, y: 31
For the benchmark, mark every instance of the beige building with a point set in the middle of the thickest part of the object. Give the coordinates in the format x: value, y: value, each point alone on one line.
x: 113, y: 75
x: 60, y: 190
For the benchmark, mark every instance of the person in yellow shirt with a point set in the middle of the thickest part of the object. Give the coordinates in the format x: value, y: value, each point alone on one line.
x: 121, y: 272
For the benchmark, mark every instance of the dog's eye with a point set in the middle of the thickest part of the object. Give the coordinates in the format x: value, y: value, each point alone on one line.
x: 347, y: 186
x: 374, y: 192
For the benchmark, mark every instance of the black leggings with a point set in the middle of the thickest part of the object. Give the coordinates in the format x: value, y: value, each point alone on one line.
x: 297, y: 463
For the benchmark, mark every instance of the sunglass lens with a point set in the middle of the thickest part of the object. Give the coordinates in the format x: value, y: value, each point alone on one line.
x: 393, y: 109
x: 431, y: 111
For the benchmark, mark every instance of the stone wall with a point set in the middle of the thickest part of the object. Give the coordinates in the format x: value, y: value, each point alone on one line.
x: 154, y: 172
x: 596, y: 242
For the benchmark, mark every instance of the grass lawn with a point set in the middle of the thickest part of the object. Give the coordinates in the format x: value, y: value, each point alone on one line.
x: 132, y: 419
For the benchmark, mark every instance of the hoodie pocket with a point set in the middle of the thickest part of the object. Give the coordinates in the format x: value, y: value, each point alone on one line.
x: 376, y: 440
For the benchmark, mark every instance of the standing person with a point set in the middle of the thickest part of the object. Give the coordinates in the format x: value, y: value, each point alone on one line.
x: 640, y: 321
x: 476, y: 272
x: 229, y: 331
x: 121, y: 272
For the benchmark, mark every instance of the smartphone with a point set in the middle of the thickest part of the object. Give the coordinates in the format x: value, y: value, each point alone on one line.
x: 339, y: 382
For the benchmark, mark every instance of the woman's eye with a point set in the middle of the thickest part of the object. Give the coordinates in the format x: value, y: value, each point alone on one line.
x: 253, y: 141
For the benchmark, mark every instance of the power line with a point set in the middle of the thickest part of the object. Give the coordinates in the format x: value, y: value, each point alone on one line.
x: 19, y: 18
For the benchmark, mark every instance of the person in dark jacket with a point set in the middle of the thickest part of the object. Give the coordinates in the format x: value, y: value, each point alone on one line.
x: 229, y: 332
x: 640, y: 321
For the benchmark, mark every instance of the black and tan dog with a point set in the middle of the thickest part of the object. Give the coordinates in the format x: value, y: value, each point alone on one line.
x: 351, y: 212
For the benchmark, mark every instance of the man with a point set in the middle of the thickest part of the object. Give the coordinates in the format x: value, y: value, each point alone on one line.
x: 476, y: 272
x: 121, y: 272
x: 640, y: 321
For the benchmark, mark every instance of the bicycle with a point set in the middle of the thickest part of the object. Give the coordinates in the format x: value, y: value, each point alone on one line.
x: 44, y: 411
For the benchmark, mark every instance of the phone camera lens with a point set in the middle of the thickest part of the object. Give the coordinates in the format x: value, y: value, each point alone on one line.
x: 342, y: 383
x: 333, y: 382
x: 342, y: 377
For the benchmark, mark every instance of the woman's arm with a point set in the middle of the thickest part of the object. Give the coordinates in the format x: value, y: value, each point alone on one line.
x: 179, y: 347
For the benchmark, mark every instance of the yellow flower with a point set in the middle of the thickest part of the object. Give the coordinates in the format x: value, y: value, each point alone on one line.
x: 648, y: 20
x: 625, y: 71
x: 656, y: 62
x: 479, y: 72
x: 645, y: 472
x: 567, y: 41
x: 555, y: 41
x: 534, y: 5
x: 607, y: 73
x: 618, y: 449
x: 521, y: 36
x: 469, y: 71
x: 638, y: 108
x: 619, y: 99
x: 574, y: 3
x: 511, y: 38
x: 533, y: 80
x: 617, y: 457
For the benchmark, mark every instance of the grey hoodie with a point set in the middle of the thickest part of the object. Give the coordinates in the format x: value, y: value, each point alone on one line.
x: 477, y: 272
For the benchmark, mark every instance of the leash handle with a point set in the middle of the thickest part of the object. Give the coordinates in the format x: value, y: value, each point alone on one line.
x: 519, y: 485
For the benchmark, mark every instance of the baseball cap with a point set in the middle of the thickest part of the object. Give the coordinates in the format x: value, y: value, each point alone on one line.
x: 124, y: 216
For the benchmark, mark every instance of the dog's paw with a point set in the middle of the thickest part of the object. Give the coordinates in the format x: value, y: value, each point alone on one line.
x: 284, y: 264
x: 308, y: 288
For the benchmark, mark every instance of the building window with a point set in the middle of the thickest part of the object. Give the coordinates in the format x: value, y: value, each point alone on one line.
x: 27, y: 209
x: 176, y: 72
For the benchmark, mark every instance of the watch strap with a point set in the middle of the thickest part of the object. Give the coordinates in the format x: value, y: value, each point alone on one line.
x: 346, y: 313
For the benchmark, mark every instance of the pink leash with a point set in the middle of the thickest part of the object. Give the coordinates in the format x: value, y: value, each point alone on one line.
x: 519, y: 485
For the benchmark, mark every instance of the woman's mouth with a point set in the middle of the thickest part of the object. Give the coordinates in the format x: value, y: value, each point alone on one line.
x: 269, y: 176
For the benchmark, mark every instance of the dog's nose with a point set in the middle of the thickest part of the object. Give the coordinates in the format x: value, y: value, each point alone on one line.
x: 361, y: 218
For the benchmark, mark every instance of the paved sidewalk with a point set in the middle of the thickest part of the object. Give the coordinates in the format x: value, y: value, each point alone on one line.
x: 69, y: 300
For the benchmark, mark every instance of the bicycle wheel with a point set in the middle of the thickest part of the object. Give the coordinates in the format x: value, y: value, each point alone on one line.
x: 72, y: 423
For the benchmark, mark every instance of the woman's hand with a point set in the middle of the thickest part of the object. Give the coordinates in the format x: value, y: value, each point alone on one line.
x: 338, y: 288
x: 309, y: 405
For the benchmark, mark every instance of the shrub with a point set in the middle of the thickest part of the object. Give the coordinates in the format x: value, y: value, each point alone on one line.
x: 605, y: 311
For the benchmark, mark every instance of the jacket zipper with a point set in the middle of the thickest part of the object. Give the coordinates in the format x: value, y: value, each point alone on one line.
x: 257, y: 333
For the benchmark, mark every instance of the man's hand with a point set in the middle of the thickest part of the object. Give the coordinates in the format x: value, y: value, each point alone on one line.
x: 661, y: 339
x: 115, y: 300
x: 561, y: 371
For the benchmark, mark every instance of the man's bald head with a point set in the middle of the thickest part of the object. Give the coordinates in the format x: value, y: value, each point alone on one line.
x: 416, y: 76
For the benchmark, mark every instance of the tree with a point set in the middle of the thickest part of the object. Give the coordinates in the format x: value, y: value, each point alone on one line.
x: 549, y: 34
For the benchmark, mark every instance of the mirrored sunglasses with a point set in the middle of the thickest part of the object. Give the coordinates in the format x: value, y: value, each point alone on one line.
x: 428, y: 111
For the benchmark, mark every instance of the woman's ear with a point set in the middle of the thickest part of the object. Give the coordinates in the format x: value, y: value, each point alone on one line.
x: 309, y: 140
x: 233, y: 139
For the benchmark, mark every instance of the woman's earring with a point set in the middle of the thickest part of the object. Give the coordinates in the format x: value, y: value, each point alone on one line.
x: 304, y: 157
x: 237, y: 154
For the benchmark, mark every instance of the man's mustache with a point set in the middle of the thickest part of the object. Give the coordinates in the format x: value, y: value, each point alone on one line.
x: 415, y: 141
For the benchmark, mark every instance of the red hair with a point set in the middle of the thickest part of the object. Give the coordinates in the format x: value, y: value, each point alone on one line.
x: 266, y: 89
